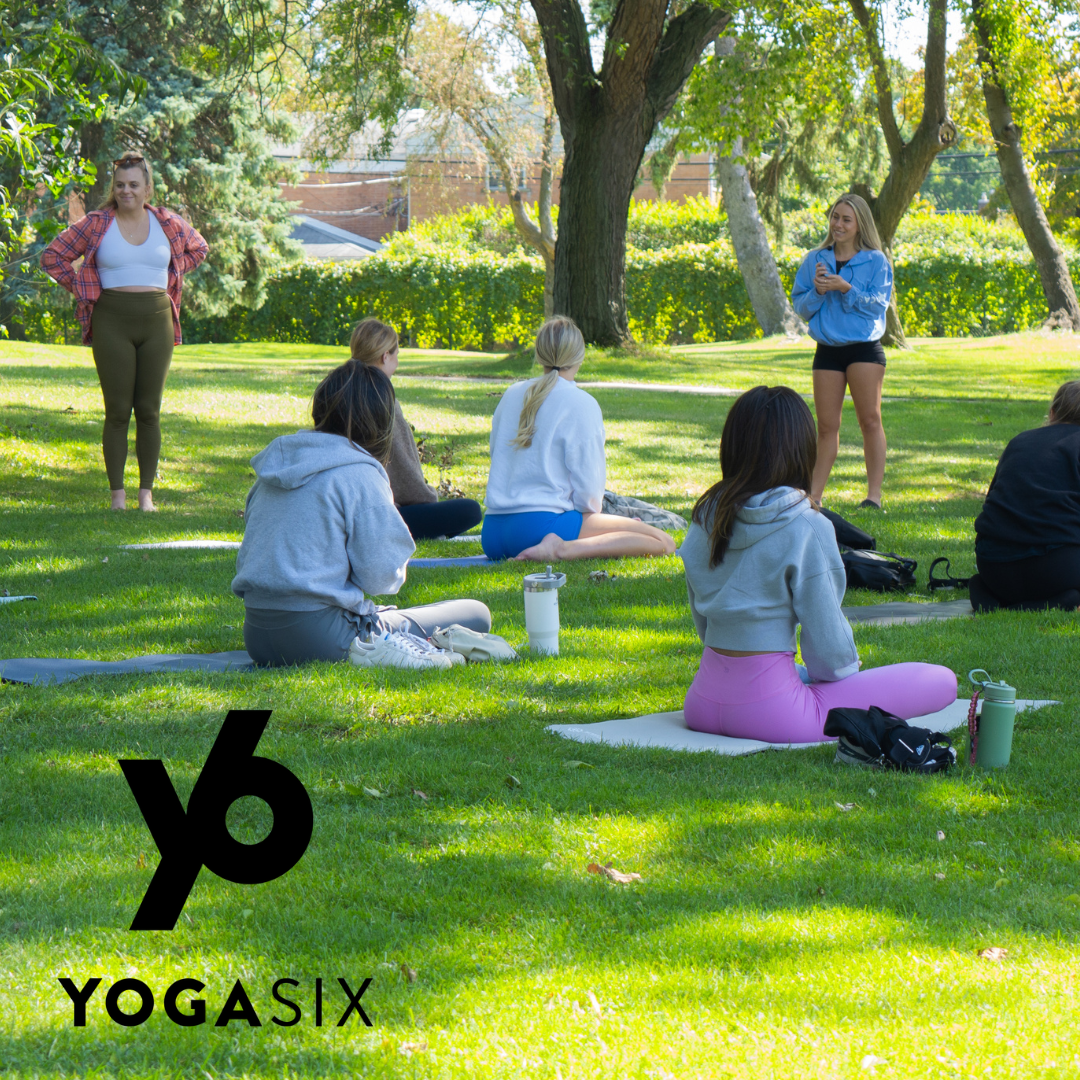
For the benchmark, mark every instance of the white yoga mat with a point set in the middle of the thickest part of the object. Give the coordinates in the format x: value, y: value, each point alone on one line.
x: 668, y: 731
x: 228, y: 545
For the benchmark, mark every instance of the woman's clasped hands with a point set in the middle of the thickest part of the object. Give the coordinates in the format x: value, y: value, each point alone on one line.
x: 825, y: 282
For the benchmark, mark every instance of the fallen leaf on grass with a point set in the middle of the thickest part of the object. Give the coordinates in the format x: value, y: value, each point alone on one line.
x: 1000, y: 882
x: 594, y: 1005
x: 939, y: 877
x: 845, y: 806
x: 408, y: 972
x: 359, y: 789
x: 512, y: 782
x: 871, y: 1062
x: 612, y: 875
x: 413, y: 1048
x: 577, y: 765
x: 417, y: 792
x: 940, y: 835
x: 140, y: 862
x: 821, y: 890
x: 106, y: 559
x: 994, y: 952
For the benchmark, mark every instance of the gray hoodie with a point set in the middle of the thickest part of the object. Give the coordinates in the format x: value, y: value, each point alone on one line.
x: 320, y: 528
x: 782, y: 567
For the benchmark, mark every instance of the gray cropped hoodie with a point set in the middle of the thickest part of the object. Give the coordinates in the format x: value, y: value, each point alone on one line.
x: 320, y: 528
x: 782, y: 568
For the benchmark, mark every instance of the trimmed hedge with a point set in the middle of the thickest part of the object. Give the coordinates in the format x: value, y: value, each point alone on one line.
x: 688, y: 293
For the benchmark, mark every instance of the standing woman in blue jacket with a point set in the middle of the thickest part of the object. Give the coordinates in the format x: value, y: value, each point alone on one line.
x: 842, y: 290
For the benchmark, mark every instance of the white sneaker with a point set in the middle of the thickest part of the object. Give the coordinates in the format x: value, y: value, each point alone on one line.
x: 398, y: 650
x: 428, y: 646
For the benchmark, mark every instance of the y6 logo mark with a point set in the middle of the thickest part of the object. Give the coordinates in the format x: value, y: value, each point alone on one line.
x: 188, y: 841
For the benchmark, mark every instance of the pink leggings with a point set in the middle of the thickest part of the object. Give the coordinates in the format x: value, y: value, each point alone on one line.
x: 762, y: 697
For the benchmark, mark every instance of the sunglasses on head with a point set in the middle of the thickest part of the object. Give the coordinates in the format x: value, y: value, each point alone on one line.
x: 120, y: 163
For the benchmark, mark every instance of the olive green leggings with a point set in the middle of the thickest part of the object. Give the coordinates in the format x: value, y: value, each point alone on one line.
x: 133, y: 347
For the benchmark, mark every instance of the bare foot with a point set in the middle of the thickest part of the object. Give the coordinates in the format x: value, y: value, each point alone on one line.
x: 119, y: 499
x: 545, y: 551
x: 146, y: 499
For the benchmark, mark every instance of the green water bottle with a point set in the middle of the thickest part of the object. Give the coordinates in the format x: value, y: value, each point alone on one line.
x: 993, y: 730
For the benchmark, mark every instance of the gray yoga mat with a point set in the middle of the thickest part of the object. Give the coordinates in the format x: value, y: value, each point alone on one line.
x: 906, y: 611
x: 44, y: 671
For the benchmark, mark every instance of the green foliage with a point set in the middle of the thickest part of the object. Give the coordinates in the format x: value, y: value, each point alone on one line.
x: 454, y: 298
x: 654, y: 225
x: 51, y: 82
x: 954, y: 278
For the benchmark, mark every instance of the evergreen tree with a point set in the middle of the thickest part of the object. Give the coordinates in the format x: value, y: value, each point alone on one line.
x: 200, y: 124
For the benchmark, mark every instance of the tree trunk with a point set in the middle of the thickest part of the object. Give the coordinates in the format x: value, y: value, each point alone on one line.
x: 911, y: 161
x: 1057, y: 284
x: 607, y: 119
x: 756, y: 263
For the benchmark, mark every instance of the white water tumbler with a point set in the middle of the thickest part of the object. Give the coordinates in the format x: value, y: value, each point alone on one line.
x: 542, y: 611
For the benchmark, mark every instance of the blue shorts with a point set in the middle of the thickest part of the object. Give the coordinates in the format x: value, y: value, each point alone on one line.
x: 505, y: 535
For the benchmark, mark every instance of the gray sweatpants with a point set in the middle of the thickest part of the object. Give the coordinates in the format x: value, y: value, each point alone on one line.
x: 276, y: 638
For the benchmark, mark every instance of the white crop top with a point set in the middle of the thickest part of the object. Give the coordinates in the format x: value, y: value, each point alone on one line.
x: 120, y: 263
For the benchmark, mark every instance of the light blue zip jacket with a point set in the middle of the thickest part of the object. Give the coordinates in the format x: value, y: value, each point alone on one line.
x: 782, y: 568
x: 844, y: 318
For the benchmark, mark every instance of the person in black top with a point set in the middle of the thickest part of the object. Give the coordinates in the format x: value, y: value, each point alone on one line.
x: 1027, y: 538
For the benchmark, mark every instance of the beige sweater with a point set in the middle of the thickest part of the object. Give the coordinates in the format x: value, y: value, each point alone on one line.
x: 406, y: 477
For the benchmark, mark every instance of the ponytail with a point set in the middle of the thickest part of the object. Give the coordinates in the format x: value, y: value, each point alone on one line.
x: 559, y: 347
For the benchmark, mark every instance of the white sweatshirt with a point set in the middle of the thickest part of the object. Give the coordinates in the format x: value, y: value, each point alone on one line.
x: 563, y: 469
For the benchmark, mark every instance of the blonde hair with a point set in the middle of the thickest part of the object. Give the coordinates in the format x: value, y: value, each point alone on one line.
x: 559, y: 346
x: 864, y: 218
x: 371, y: 340
x: 1065, y: 408
x: 130, y: 159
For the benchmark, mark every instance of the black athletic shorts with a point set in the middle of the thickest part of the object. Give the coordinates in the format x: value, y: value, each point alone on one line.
x: 837, y: 357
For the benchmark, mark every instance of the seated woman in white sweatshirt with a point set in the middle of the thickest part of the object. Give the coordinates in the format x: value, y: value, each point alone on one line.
x: 546, y: 484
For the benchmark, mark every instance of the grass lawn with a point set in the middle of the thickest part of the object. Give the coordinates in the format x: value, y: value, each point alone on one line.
x: 772, y: 934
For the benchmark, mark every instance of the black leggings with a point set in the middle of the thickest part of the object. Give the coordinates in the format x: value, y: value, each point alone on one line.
x: 428, y: 521
x: 1050, y: 580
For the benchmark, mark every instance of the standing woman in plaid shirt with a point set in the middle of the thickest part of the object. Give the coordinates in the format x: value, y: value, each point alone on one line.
x: 128, y: 290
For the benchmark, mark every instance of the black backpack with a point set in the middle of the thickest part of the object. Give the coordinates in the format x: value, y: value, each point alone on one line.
x: 876, y: 738
x: 886, y: 572
x: 848, y: 535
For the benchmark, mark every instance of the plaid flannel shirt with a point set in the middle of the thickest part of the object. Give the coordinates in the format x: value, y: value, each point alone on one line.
x: 83, y: 238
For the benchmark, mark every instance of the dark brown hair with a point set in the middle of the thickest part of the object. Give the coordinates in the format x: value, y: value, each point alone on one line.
x: 1065, y: 408
x: 769, y: 441
x: 357, y: 400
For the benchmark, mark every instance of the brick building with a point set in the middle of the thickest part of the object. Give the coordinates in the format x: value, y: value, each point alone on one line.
x: 374, y: 196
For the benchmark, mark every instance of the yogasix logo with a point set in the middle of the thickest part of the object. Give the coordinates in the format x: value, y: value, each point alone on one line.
x: 189, y: 840
x: 199, y: 837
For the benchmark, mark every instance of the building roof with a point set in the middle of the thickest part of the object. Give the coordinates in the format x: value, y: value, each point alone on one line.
x: 323, y: 241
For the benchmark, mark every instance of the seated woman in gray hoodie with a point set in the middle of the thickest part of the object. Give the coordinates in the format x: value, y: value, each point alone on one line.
x: 321, y: 533
x: 760, y: 561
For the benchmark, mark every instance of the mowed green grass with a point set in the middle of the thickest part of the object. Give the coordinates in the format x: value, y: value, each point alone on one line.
x: 772, y: 934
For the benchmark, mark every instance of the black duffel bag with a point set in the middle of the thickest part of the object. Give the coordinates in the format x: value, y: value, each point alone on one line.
x: 885, y: 572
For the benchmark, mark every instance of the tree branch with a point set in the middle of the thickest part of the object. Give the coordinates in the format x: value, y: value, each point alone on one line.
x: 682, y: 45
x: 566, y: 46
x: 935, y: 106
x: 882, y: 82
